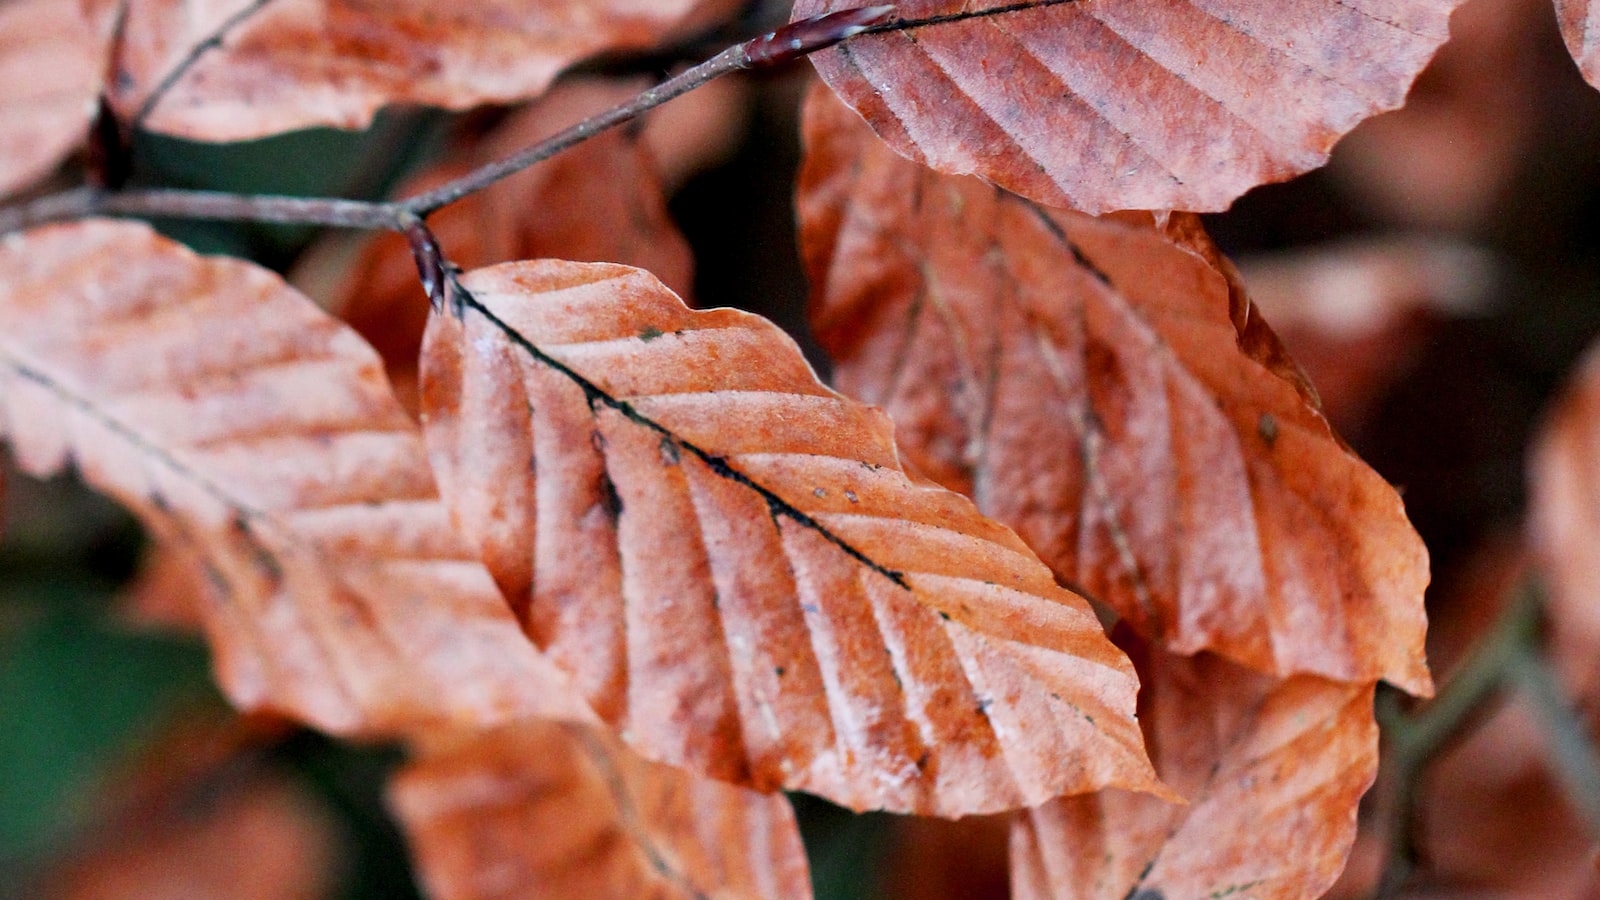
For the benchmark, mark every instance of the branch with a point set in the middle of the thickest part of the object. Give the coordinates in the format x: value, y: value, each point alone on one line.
x: 789, y: 43
x: 81, y: 202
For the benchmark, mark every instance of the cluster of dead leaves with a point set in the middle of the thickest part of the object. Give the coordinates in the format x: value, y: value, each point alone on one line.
x: 735, y: 579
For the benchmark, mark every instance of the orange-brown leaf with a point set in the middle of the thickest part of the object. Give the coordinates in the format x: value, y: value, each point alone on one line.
x: 1131, y: 104
x: 547, y: 809
x: 1104, y: 387
x: 1580, y: 28
x: 728, y: 558
x: 287, y: 64
x: 51, y: 62
x: 241, y: 422
x: 599, y: 202
x: 1273, y: 772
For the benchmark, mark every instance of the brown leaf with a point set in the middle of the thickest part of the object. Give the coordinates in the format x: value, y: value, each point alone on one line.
x: 287, y: 64
x: 1580, y: 28
x: 239, y: 421
x: 51, y: 62
x: 1564, y: 518
x: 728, y: 558
x: 1105, y: 387
x: 546, y: 809
x: 1273, y: 772
x: 1130, y: 104
x: 599, y: 202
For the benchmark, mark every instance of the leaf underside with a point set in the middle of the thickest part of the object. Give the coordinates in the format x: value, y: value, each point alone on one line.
x: 51, y: 57
x: 248, y: 429
x: 1580, y: 29
x: 728, y: 560
x: 1104, y: 105
x: 1104, y: 387
x: 547, y: 809
x: 1273, y: 772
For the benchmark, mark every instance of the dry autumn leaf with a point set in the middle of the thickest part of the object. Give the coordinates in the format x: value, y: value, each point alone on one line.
x: 287, y: 64
x: 1273, y: 772
x: 729, y: 560
x: 1580, y: 28
x: 546, y: 809
x: 243, y: 424
x: 51, y: 66
x: 1130, y: 104
x: 1104, y: 387
x: 599, y: 202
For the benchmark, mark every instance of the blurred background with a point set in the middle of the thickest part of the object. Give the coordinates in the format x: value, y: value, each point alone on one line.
x: 1438, y: 281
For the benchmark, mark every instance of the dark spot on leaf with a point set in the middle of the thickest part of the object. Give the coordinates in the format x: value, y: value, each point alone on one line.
x: 922, y: 761
x: 778, y: 671
x: 1149, y: 894
x: 1267, y: 426
x: 944, y: 615
x: 650, y: 333
x: 669, y: 452
x: 609, y: 499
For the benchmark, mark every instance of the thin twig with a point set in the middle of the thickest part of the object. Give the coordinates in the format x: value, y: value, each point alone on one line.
x: 784, y: 45
x: 81, y: 202
x: 1416, y: 740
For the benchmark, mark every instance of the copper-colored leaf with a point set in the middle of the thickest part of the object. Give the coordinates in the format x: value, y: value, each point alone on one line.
x: 1105, y: 387
x: 51, y: 62
x: 1565, y: 522
x: 547, y: 809
x: 1131, y: 104
x: 286, y: 64
x: 1580, y: 28
x: 1273, y: 772
x: 729, y: 559
x: 241, y: 422
x: 598, y: 202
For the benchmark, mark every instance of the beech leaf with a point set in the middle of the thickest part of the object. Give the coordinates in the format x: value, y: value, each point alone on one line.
x: 287, y: 64
x: 1580, y: 29
x: 1104, y: 387
x: 730, y: 562
x: 1273, y: 772
x: 1104, y: 105
x: 51, y: 62
x: 546, y: 809
x: 243, y: 424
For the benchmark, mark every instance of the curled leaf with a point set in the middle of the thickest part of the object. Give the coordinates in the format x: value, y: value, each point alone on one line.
x: 249, y: 428
x: 546, y: 809
x: 729, y: 560
x: 1273, y: 772
x: 1105, y: 387
x: 279, y: 65
x: 1130, y: 104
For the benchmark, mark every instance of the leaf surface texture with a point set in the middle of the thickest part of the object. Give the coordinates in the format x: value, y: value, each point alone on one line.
x: 248, y: 428
x: 1273, y: 772
x: 1580, y: 29
x: 730, y: 562
x: 547, y: 809
x: 1104, y: 105
x: 1105, y: 387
